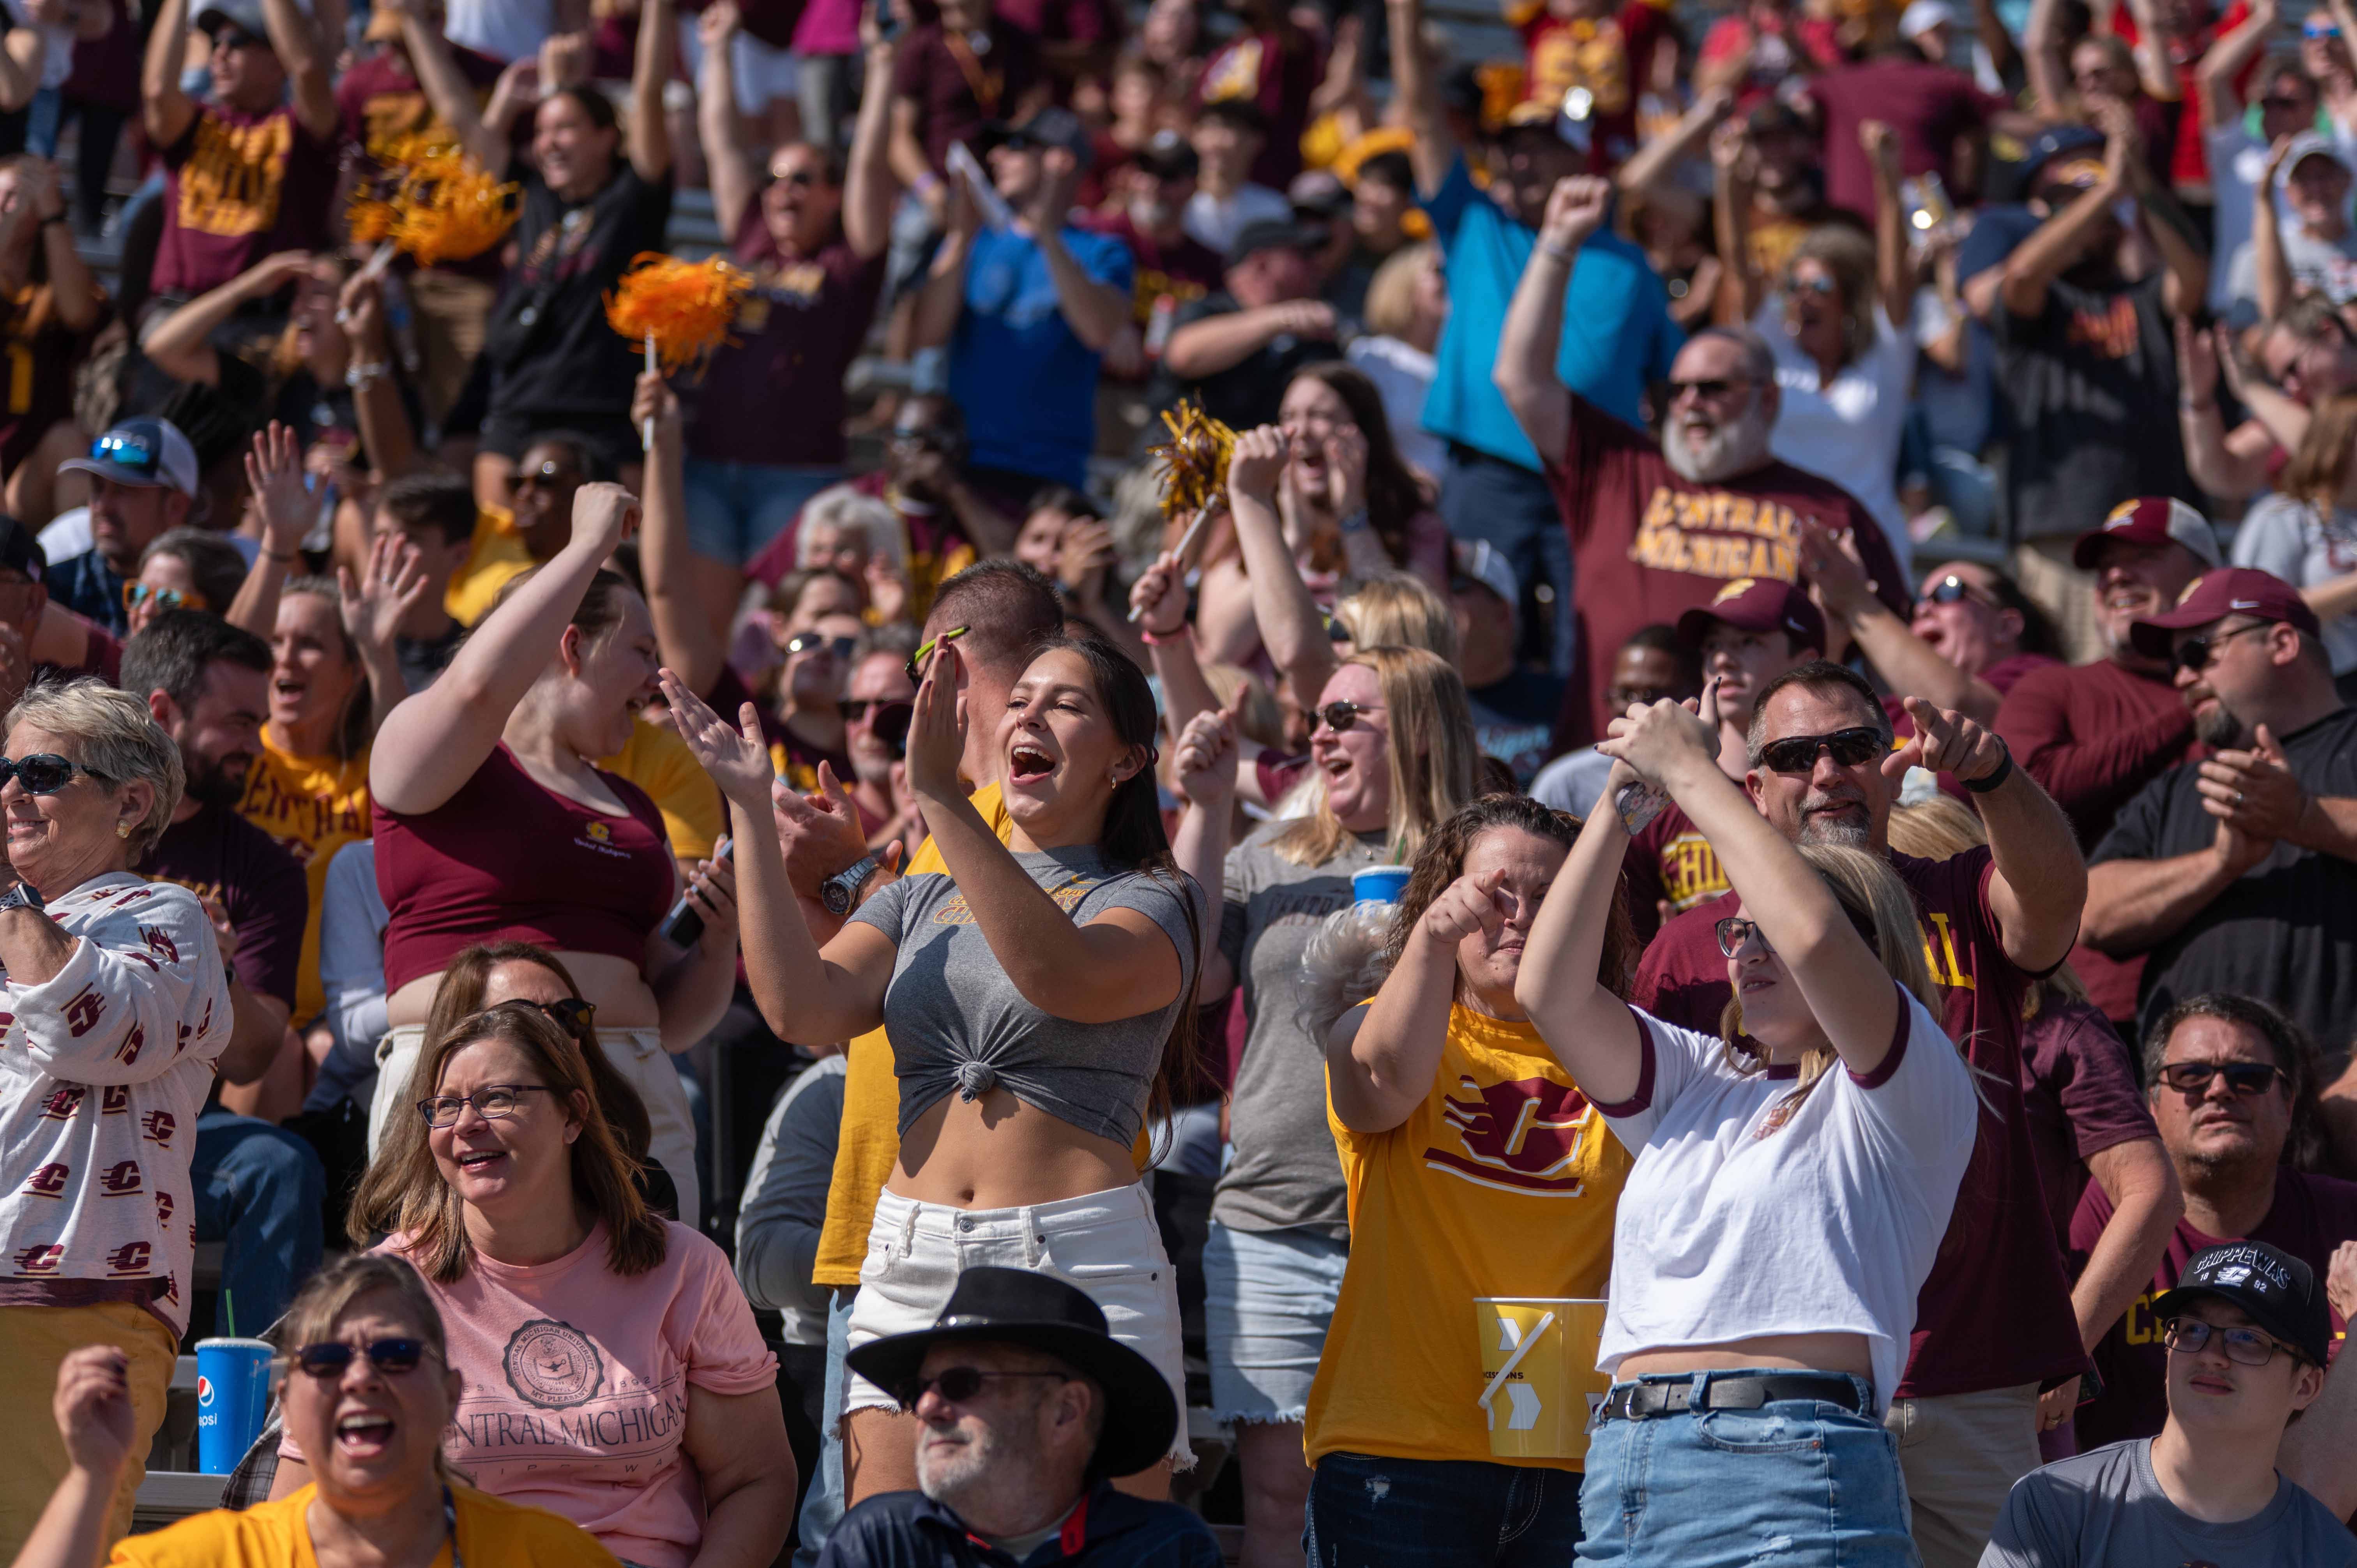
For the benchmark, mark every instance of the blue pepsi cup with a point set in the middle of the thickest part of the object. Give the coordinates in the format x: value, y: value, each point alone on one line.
x: 233, y: 1400
x: 1379, y: 884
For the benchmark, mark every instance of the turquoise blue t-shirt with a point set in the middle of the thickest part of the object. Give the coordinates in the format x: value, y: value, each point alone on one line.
x: 1026, y: 385
x: 1617, y: 337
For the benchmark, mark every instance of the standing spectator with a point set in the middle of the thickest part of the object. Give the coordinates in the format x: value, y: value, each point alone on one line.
x: 590, y: 204
x: 1026, y: 312
x: 1227, y: 138
x: 2314, y: 253
x: 101, y: 93
x: 1756, y: 47
x: 1973, y: 637
x: 1271, y: 64
x: 813, y: 235
x: 1937, y: 119
x: 2237, y: 159
x: 1594, y: 47
x: 1660, y: 527
x: 106, y: 972
x: 1407, y: 306
x: 2306, y: 532
x: 249, y: 171
x: 953, y: 77
x: 1654, y: 664
x: 2305, y: 356
x: 143, y: 483
x: 1495, y: 489
x: 185, y: 569
x: 50, y: 305
x: 424, y: 525
x: 1236, y: 351
x: 2232, y: 1083
x: 2234, y: 874
x: 1148, y: 215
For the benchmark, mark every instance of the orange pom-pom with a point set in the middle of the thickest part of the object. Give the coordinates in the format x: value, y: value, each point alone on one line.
x: 432, y: 203
x: 685, y: 306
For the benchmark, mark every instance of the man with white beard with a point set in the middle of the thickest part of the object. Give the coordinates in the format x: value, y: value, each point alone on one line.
x: 1660, y: 529
x: 1029, y: 1409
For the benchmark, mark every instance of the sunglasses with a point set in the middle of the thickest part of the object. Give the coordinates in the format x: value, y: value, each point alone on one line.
x: 43, y: 773
x: 2190, y: 1336
x: 1340, y: 716
x: 127, y: 452
x: 1709, y: 387
x: 2196, y: 654
x: 801, y: 178
x: 812, y: 642
x: 959, y: 1384
x: 1734, y: 931
x: 238, y: 39
x: 1820, y: 285
x: 925, y: 436
x: 137, y: 593
x: 570, y: 1014
x: 893, y: 716
x: 1954, y: 590
x: 2319, y: 30
x: 392, y: 1357
x: 547, y: 477
x: 492, y: 1104
x: 2246, y: 1079
x: 915, y: 668
x: 1798, y: 753
x: 2282, y: 101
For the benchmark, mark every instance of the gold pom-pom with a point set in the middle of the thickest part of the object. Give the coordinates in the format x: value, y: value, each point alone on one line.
x: 431, y: 202
x: 1194, y: 460
x: 685, y: 306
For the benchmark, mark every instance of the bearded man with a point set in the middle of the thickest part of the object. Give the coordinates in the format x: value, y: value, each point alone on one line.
x: 1660, y: 529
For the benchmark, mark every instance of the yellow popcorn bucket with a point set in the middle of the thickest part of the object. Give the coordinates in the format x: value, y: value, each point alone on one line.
x: 1540, y: 1386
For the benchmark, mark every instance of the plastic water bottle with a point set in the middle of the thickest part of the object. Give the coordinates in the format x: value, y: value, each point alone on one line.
x: 1346, y: 961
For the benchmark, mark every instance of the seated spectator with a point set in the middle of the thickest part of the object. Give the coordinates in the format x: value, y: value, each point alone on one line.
x: 120, y: 1011
x: 185, y: 568
x: 1474, y: 1166
x: 143, y: 483
x: 1229, y: 137
x: 1237, y: 351
x: 2315, y: 252
x: 352, y: 979
x: 2233, y: 873
x: 366, y: 1353
x: 1655, y: 663
x: 778, y: 1219
x: 1026, y: 312
x: 845, y: 531
x: 2306, y: 356
x: 250, y: 170
x: 1029, y: 1405
x: 518, y: 1208
x: 2306, y: 532
x: 2231, y: 1085
x: 423, y: 530
x: 880, y: 702
x: 2247, y: 1336
x: 1515, y: 707
x: 1407, y: 306
x: 54, y: 307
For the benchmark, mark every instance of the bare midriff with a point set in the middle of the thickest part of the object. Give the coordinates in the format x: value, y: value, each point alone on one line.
x: 1796, y: 1353
x: 615, y: 986
x: 997, y: 1153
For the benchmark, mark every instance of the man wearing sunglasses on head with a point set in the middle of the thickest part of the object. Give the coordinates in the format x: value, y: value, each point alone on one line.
x: 1995, y: 1327
x: 2231, y: 1087
x: 2238, y: 873
x: 143, y: 484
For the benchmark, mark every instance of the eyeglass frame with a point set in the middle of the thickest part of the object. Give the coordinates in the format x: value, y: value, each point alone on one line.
x: 1954, y: 589
x: 2275, y: 1346
x: 811, y: 642
x: 425, y: 1107
x: 2204, y: 648
x: 915, y: 1389
x: 1324, y: 713
x: 550, y: 475
x: 915, y: 669
x: 136, y: 593
x: 10, y: 765
x: 1833, y: 741
x: 297, y: 1359
x: 2210, y: 1071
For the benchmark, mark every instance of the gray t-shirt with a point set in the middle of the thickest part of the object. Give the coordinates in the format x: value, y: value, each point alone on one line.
x: 2105, y: 1509
x: 1284, y: 1172
x: 2326, y: 266
x: 958, y: 1024
x: 2305, y: 547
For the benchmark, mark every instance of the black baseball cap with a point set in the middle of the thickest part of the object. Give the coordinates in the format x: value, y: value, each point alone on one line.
x: 1169, y: 156
x: 19, y: 550
x: 2276, y: 1291
x: 1274, y: 234
x: 1050, y: 127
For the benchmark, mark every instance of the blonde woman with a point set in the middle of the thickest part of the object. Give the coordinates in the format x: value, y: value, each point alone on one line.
x: 1392, y: 745
x: 1793, y: 1180
x: 2306, y: 532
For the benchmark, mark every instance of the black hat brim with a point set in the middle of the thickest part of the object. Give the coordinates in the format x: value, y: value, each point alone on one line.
x: 1141, y: 1415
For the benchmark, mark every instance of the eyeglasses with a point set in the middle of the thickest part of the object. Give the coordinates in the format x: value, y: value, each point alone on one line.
x: 1734, y: 931
x: 802, y: 179
x: 2198, y: 653
x: 43, y: 773
x: 893, y: 716
x: 2282, y: 101
x: 959, y: 1384
x: 1818, y: 285
x: 2319, y: 30
x: 1340, y: 716
x: 127, y: 452
x: 1798, y: 753
x: 811, y: 642
x: 1953, y: 589
x: 238, y: 39
x: 2190, y: 1336
x: 547, y: 477
x: 392, y: 1357
x: 137, y: 593
x: 1710, y: 388
x: 2246, y: 1079
x: 923, y: 435
x: 494, y: 1103
x: 915, y: 668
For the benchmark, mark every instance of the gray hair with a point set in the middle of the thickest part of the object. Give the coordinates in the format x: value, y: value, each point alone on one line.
x: 844, y: 507
x: 115, y: 737
x: 1759, y: 359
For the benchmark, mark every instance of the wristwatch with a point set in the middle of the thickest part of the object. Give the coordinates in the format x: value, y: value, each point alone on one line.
x: 23, y: 896
x: 837, y: 892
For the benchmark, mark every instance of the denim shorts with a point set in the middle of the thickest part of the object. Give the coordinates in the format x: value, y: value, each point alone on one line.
x: 1268, y: 1299
x: 1801, y: 1483
x: 736, y: 509
x: 1107, y: 1243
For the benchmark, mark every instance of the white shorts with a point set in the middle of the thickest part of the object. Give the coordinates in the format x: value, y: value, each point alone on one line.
x: 1105, y: 1242
x: 637, y: 1054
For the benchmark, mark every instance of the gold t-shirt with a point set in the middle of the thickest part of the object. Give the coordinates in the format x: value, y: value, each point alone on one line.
x: 275, y: 1535
x: 314, y: 806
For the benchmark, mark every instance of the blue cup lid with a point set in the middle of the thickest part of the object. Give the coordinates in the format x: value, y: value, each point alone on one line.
x: 1379, y: 884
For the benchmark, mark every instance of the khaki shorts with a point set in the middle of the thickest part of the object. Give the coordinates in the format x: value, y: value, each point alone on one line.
x: 1961, y: 1455
x: 33, y: 1341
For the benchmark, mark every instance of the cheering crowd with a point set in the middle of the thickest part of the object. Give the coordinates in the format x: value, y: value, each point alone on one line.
x: 1357, y: 788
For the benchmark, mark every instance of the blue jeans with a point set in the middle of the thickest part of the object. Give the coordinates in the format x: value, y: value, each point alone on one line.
x: 822, y: 1502
x: 735, y: 509
x: 1440, y: 1513
x: 1483, y: 497
x: 260, y: 1188
x: 1713, y: 1490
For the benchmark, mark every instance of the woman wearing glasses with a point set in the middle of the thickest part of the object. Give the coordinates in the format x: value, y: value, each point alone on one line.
x: 370, y: 1386
x: 117, y: 1009
x: 493, y: 822
x: 1395, y: 754
x: 1793, y: 1177
x: 610, y: 1369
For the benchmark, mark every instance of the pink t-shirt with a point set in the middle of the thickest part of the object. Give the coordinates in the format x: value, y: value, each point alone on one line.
x: 576, y: 1380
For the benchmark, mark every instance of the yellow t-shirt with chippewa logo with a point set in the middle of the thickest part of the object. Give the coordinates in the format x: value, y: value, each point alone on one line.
x: 1501, y: 1183
x: 314, y: 806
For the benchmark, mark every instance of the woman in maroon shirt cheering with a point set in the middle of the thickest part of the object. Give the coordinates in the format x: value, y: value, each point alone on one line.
x: 493, y: 825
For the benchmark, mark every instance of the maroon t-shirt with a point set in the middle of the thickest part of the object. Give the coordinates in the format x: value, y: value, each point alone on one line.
x: 1648, y: 544
x: 239, y: 186
x: 1996, y: 1311
x: 1277, y: 72
x: 1670, y: 863
x: 106, y: 69
x: 797, y: 331
x: 380, y: 98
x: 1929, y: 106
x: 1181, y: 271
x: 2084, y: 1095
x: 218, y: 855
x: 960, y: 89
x: 2311, y: 1215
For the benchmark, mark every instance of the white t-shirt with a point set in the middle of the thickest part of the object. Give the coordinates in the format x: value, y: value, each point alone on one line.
x: 1403, y: 374
x: 1731, y: 1227
x: 1215, y: 224
x: 507, y: 30
x: 1847, y: 431
x: 2238, y: 162
x: 2305, y: 547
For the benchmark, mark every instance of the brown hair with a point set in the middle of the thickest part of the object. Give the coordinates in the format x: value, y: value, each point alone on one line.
x: 2306, y: 1147
x: 2319, y: 470
x: 1850, y: 257
x: 408, y: 1190
x: 600, y: 610
x: 1394, y: 495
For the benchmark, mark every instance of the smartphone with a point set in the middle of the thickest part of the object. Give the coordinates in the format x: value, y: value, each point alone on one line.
x: 684, y: 925
x: 888, y: 20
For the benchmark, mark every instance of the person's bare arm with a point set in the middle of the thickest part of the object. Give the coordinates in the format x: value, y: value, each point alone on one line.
x: 1909, y: 665
x: 2041, y: 50
x: 73, y: 292
x: 692, y: 642
x: 2040, y: 886
x: 2005, y: 56
x: 744, y: 1470
x: 2146, y: 1205
x: 650, y: 132
x: 1381, y: 1062
x: 869, y: 187
x: 166, y: 112
x: 941, y: 300
x: 1433, y: 152
x: 2156, y: 73
x: 1892, y: 274
x: 2183, y: 255
x: 731, y: 161
x: 180, y: 345
x: 1214, y: 343
x: 446, y: 89
x: 306, y: 58
x: 1094, y: 311
x: 1291, y: 630
x: 2213, y: 78
x: 2134, y: 905
x: 1158, y: 601
x: 906, y: 148
x: 2230, y: 465
x: 385, y: 427
x: 1525, y: 373
x: 2316, y: 1449
x: 1657, y: 159
x: 2274, y: 279
x: 1739, y: 282
x: 2053, y: 245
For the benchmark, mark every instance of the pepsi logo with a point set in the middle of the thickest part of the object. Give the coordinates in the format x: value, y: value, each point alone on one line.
x: 204, y: 1390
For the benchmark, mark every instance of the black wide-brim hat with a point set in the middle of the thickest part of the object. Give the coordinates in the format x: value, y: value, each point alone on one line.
x: 1040, y: 1312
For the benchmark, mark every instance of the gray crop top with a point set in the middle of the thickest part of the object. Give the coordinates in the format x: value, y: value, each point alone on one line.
x: 957, y: 1023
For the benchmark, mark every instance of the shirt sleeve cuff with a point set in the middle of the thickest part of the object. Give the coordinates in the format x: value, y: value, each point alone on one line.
x: 1898, y: 1051
x: 1637, y: 1104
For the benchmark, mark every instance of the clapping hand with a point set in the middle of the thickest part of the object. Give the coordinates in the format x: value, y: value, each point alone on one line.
x: 738, y: 758
x: 936, y: 744
x: 374, y: 606
x: 273, y: 471
x: 2254, y: 791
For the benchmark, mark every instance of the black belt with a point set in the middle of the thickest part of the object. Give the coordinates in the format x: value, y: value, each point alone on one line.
x: 1642, y: 1402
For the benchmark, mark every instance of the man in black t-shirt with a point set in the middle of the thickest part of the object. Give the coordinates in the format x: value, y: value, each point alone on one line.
x: 2238, y: 873
x: 258, y: 1187
x: 1236, y: 351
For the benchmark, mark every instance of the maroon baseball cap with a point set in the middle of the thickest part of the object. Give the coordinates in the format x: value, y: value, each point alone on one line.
x: 2214, y: 595
x: 1758, y: 604
x: 2151, y: 520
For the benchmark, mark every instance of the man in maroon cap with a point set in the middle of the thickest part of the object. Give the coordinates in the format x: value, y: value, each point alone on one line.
x: 2238, y: 873
x: 2095, y: 734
